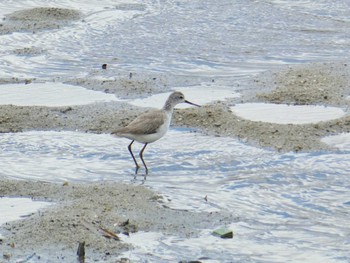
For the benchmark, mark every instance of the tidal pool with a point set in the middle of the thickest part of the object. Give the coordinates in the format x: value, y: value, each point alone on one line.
x: 286, y: 114
x: 12, y: 208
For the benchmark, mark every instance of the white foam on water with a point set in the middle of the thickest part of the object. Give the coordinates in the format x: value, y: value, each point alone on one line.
x: 339, y: 141
x: 17, y: 208
x: 201, y: 95
x: 286, y: 114
x: 50, y: 94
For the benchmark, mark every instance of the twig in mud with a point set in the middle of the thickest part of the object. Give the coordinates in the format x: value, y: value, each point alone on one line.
x: 107, y: 233
x: 95, y: 227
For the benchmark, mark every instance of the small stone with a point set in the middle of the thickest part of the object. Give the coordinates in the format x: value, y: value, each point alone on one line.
x: 223, y: 233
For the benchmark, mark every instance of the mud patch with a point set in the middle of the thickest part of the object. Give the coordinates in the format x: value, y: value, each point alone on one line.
x: 40, y: 18
x: 130, y: 86
x: 313, y: 84
x: 325, y: 84
x: 28, y: 51
x: 83, y: 210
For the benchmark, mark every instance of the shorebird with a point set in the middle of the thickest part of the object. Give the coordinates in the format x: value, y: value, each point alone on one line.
x: 151, y: 126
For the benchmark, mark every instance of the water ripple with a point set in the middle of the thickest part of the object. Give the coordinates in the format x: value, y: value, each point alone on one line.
x: 285, y: 202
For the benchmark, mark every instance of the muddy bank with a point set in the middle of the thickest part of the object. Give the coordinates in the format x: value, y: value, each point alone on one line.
x: 36, y: 19
x: 80, y: 212
x: 314, y: 84
x: 321, y: 84
x: 98, y: 118
x: 218, y: 120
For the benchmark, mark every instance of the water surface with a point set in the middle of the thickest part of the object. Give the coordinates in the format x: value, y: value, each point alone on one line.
x: 287, y: 204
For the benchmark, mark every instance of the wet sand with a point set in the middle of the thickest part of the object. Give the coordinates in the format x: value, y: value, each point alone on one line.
x: 36, y: 19
x: 79, y: 211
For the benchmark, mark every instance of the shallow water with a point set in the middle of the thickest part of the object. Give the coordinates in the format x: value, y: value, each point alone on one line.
x: 339, y: 141
x: 50, y: 94
x: 228, y: 39
x: 287, y: 204
x: 291, y: 207
x: 286, y: 114
x: 18, y: 208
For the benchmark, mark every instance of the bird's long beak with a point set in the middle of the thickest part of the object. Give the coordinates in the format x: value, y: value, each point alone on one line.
x: 186, y: 101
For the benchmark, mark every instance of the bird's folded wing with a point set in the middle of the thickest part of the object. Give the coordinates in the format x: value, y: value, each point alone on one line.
x: 147, y: 123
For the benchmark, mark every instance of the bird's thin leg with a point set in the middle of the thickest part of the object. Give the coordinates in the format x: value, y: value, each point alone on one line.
x: 133, y: 157
x: 141, y: 156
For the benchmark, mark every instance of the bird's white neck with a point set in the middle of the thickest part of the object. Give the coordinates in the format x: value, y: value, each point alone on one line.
x: 168, y: 106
